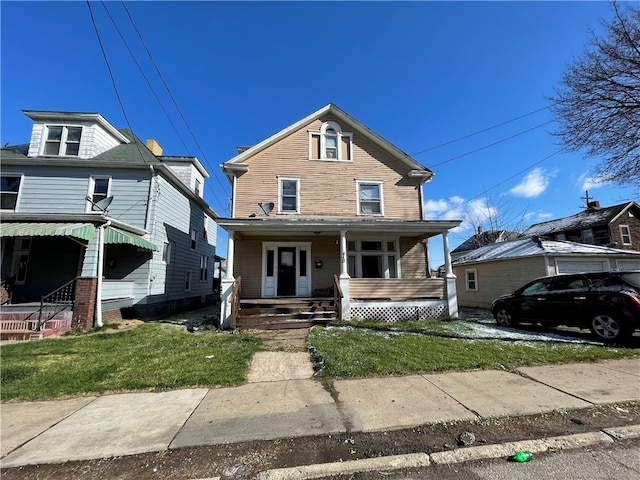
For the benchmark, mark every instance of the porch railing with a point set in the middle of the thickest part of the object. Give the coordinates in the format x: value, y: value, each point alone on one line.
x: 235, y: 301
x: 55, y: 302
x: 337, y: 297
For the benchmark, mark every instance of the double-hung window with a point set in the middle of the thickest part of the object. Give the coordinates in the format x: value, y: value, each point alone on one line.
x: 204, y: 268
x: 471, y: 277
x: 63, y: 141
x: 194, y: 239
x: 10, y: 186
x: 369, y: 196
x: 98, y: 190
x: 625, y: 233
x: 289, y: 195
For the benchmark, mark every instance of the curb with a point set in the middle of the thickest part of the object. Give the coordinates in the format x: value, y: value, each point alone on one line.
x: 414, y: 460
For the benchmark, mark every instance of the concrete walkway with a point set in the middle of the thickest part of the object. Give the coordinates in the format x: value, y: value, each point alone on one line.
x: 282, y: 399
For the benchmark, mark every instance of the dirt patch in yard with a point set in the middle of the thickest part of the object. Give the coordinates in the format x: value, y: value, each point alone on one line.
x: 245, y: 460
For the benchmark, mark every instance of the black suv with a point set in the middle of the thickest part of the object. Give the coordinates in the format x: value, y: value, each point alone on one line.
x: 608, y: 303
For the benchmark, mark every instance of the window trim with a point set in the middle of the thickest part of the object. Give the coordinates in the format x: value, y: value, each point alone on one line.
x: 18, y: 194
x: 91, y: 192
x: 282, y: 179
x: 628, y: 235
x: 322, y: 148
x: 204, y: 268
x: 63, y: 140
x: 386, y: 254
x: 380, y: 184
x: 468, y: 281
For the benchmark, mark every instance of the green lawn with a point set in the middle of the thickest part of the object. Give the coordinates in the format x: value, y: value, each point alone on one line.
x: 420, y: 347
x: 150, y: 357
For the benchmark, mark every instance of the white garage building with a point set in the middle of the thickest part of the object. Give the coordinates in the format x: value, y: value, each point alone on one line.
x: 488, y: 272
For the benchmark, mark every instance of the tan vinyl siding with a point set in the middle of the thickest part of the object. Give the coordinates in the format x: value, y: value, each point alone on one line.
x: 413, y: 258
x: 346, y: 154
x: 396, y: 288
x: 496, y: 278
x: 315, y: 146
x: 248, y: 265
x: 327, y: 187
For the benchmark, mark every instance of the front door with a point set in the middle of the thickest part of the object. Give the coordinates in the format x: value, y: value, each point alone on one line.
x: 286, y: 271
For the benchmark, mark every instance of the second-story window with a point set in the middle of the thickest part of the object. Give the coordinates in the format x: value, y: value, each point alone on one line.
x: 587, y: 236
x: 625, y: 233
x: 9, y: 191
x: 369, y: 196
x: 289, y: 195
x: 98, y: 191
x: 194, y: 239
x: 63, y: 141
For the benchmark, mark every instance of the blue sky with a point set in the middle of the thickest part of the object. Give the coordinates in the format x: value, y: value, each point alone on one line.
x: 420, y: 74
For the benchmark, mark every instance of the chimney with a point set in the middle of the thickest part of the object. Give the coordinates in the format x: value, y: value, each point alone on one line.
x: 479, y: 229
x: 154, y: 146
x: 595, y: 205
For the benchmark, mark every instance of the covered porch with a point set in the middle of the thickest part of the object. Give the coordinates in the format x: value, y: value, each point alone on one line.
x: 371, y: 268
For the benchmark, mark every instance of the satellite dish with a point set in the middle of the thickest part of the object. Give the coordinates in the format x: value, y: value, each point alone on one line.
x: 102, y: 204
x: 266, y: 208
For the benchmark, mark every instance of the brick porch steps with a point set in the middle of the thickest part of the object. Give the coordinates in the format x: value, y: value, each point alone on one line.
x: 25, y: 328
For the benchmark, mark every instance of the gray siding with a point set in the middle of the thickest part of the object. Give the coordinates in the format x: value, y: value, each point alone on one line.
x: 64, y: 190
x: 174, y: 216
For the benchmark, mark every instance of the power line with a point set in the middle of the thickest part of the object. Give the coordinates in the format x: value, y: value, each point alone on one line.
x: 160, y: 76
x: 480, y: 131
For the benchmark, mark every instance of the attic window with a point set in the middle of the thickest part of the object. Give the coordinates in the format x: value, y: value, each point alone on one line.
x: 330, y: 143
x: 63, y: 141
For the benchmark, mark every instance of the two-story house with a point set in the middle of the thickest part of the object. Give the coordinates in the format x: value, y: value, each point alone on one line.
x: 328, y: 207
x: 617, y: 226
x: 90, y: 212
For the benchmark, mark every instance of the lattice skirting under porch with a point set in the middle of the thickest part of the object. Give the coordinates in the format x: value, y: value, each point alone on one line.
x: 387, y: 311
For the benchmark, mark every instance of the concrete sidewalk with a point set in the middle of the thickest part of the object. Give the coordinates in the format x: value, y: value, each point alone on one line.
x: 281, y: 399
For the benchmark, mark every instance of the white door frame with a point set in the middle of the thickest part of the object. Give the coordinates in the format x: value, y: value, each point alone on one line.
x: 270, y: 284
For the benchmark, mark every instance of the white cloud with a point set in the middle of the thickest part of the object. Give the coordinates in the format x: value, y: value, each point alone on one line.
x: 472, y: 213
x: 532, y: 185
x: 589, y: 183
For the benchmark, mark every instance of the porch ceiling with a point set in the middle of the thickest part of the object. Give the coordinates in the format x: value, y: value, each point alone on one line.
x: 326, y: 226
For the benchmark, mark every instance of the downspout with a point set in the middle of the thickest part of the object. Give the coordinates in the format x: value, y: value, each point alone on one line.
x: 98, y: 307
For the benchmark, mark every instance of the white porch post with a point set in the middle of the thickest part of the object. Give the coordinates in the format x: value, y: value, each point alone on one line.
x: 450, y: 278
x: 226, y: 284
x: 344, y: 277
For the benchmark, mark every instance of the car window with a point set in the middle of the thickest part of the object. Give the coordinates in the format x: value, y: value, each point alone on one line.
x: 569, y: 283
x: 632, y: 279
x: 537, y: 287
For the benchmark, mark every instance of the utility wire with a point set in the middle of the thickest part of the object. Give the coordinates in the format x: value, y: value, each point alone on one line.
x: 113, y: 80
x: 480, y: 131
x: 224, y: 188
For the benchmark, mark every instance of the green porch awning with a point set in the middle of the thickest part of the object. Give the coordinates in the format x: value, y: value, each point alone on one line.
x: 83, y: 231
x: 114, y: 236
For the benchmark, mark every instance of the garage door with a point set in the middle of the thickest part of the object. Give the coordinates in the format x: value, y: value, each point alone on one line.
x: 577, y: 266
x: 628, y: 264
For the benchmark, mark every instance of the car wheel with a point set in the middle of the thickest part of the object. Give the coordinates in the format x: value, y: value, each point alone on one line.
x: 607, y: 328
x: 505, y: 317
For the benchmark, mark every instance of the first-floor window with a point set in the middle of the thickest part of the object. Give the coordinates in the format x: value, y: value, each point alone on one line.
x: 372, y: 259
x: 187, y: 281
x: 204, y: 268
x: 10, y: 185
x: 21, y: 259
x: 472, y: 279
x: 625, y: 232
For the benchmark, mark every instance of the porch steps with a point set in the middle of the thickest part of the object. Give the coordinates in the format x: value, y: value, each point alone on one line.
x: 22, y: 325
x: 273, y: 314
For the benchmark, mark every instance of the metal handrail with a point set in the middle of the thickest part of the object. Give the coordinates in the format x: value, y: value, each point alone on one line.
x: 55, y: 302
x: 235, y: 301
x: 337, y: 297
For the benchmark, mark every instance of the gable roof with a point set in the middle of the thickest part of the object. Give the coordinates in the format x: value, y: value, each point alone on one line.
x: 237, y: 162
x: 592, y: 217
x: 535, y: 246
x: 487, y: 237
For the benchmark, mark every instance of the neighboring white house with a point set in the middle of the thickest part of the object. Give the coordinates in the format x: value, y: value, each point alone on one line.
x: 488, y: 272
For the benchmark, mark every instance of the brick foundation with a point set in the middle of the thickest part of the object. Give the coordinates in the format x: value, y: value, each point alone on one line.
x: 85, y: 303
